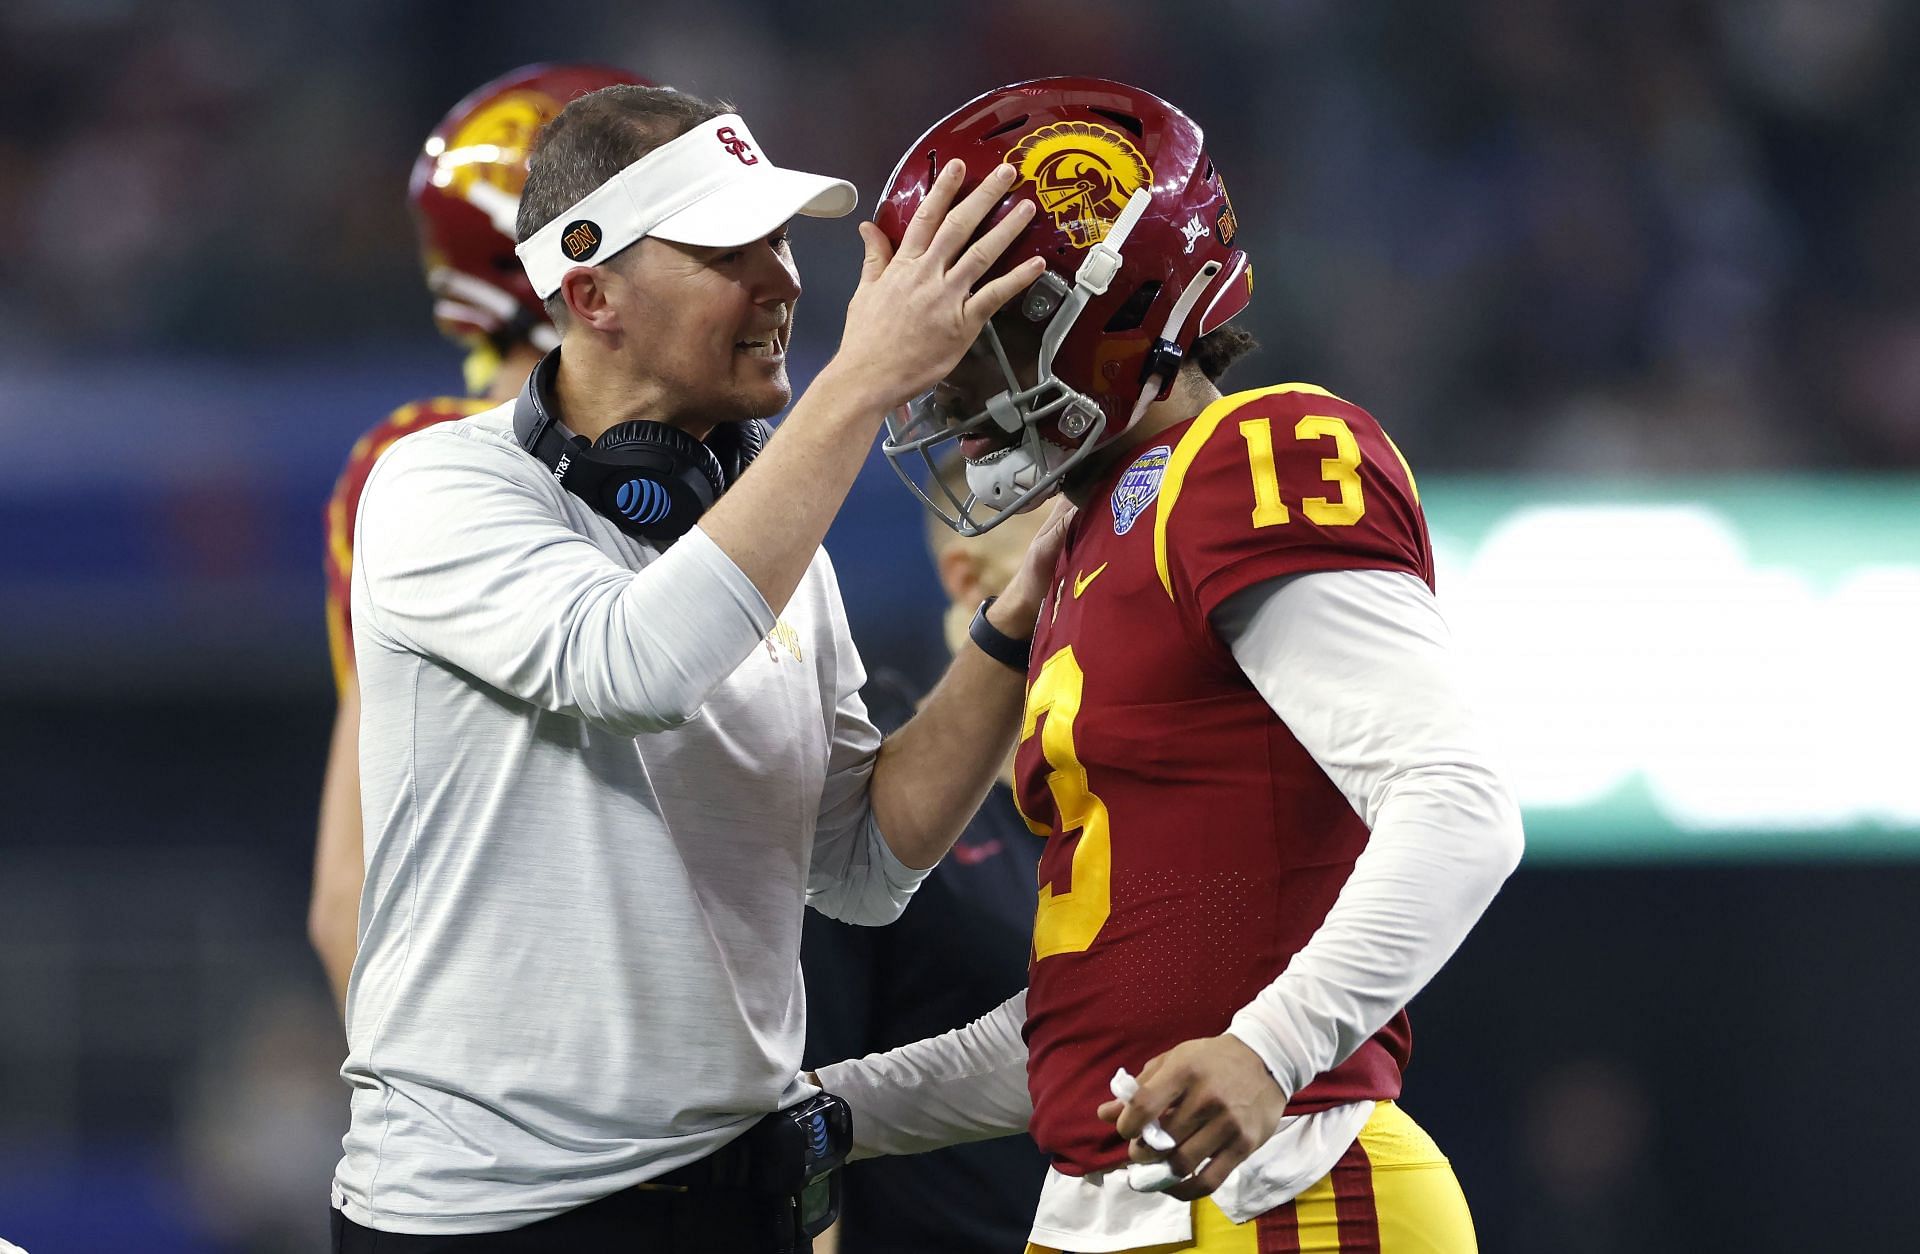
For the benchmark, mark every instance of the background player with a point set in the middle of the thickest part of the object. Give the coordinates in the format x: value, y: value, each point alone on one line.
x: 959, y: 950
x: 1269, y: 816
x: 464, y: 192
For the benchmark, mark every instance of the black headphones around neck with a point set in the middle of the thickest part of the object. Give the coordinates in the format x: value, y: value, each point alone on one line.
x: 651, y: 480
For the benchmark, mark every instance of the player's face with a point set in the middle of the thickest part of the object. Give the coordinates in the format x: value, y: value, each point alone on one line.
x: 707, y: 328
x: 965, y: 390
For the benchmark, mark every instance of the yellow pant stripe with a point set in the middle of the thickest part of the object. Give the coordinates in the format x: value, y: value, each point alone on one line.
x: 1317, y: 1219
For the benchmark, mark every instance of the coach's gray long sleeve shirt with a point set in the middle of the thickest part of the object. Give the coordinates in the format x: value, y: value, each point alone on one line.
x: 599, y: 783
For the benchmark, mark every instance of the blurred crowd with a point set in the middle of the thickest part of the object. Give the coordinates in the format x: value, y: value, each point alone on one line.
x: 1542, y: 234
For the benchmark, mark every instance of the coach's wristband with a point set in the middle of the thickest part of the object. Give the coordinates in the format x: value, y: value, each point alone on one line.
x: 997, y: 644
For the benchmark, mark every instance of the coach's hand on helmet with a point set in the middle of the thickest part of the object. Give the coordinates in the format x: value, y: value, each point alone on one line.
x: 1214, y: 1097
x: 916, y: 311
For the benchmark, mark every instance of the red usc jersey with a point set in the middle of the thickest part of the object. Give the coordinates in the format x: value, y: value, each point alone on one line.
x: 1193, y: 845
x: 344, y: 506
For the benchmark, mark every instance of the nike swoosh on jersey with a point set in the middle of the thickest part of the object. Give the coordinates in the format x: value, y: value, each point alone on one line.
x: 1081, y: 582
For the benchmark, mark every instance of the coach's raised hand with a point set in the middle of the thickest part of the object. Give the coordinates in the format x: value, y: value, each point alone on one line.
x: 916, y: 311
x: 915, y: 314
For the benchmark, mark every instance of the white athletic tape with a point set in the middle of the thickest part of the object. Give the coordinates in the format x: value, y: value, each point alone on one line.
x: 1124, y: 1086
x: 1146, y: 1177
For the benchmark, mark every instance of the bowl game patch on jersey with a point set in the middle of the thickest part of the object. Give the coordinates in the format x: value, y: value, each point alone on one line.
x: 1138, y: 486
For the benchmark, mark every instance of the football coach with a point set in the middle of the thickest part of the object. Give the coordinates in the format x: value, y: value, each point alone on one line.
x: 611, y: 736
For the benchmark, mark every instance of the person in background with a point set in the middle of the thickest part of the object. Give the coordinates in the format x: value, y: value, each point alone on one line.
x: 464, y: 193
x: 958, y: 951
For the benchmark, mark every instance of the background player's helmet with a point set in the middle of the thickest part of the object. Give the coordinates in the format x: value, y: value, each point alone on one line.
x: 465, y: 193
x: 1137, y: 233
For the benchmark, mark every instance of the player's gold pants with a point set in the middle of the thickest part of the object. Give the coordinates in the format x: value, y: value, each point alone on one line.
x: 1392, y: 1193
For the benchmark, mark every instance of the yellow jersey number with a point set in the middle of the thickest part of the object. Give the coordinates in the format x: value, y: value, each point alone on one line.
x: 1342, y: 470
x: 1067, y: 922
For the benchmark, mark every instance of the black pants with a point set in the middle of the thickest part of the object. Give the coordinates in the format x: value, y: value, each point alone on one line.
x: 632, y: 1221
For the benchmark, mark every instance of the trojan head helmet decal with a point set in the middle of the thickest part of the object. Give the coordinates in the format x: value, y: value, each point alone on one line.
x: 492, y: 145
x: 1082, y: 173
x: 465, y: 194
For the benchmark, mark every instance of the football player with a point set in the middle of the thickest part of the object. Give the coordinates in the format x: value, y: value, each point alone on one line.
x: 464, y: 192
x: 1269, y: 814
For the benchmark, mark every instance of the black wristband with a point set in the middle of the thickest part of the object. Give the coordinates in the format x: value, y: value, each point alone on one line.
x: 997, y: 644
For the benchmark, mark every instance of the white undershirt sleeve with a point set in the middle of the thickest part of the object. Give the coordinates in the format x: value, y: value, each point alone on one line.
x: 466, y: 558
x: 1360, y: 666
x: 969, y: 1084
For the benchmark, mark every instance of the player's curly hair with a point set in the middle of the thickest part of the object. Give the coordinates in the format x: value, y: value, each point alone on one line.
x: 1217, y: 350
x: 594, y: 138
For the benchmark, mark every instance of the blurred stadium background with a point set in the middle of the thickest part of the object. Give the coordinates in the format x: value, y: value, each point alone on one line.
x: 1636, y: 286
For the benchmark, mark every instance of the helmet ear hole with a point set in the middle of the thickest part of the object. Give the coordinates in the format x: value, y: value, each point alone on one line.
x: 1134, y: 311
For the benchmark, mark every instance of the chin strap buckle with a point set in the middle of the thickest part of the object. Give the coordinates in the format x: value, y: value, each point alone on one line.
x: 1097, y: 271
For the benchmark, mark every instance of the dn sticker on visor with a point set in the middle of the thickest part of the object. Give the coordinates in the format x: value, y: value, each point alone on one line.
x: 581, y: 240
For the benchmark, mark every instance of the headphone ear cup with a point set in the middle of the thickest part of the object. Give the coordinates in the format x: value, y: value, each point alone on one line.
x: 659, y: 479
x: 679, y: 447
x: 737, y: 444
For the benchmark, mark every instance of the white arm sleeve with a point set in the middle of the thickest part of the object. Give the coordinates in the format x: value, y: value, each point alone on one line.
x: 969, y: 1084
x: 1360, y: 667
x: 467, y: 558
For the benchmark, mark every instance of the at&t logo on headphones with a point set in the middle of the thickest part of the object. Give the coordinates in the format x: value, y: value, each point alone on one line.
x: 642, y: 501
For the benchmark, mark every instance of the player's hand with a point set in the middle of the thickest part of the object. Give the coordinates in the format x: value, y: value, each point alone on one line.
x: 1214, y: 1097
x: 916, y: 311
x: 1016, y: 610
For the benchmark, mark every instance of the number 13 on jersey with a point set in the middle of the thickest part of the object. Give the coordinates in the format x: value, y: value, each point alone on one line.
x: 1068, y: 921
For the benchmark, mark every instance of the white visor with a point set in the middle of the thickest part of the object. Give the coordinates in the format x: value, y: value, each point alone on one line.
x: 711, y: 187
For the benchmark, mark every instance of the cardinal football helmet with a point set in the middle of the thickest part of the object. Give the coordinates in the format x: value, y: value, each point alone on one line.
x: 1138, y: 235
x: 465, y: 193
